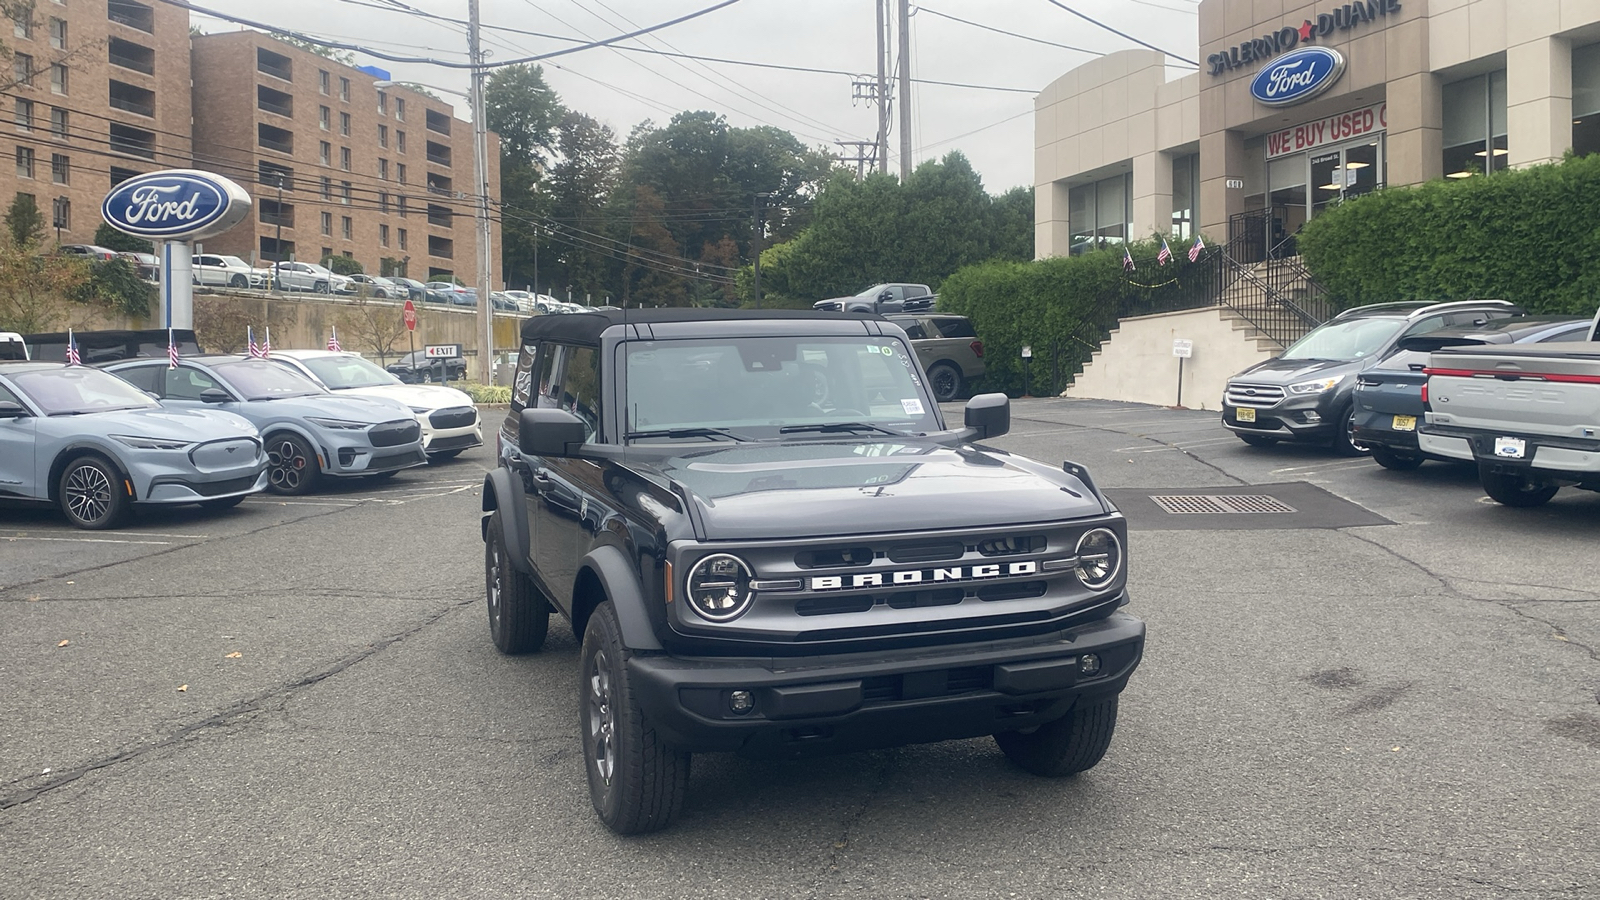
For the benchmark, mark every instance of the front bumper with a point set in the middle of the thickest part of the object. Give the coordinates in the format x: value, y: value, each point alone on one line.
x: 349, y: 453
x: 460, y: 436
x: 818, y: 705
x: 1309, y: 418
x: 172, y: 489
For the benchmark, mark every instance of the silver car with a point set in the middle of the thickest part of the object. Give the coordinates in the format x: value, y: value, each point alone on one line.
x: 96, y: 446
x: 448, y: 417
x: 308, y: 432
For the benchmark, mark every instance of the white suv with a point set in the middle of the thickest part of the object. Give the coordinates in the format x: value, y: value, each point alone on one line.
x: 225, y: 271
x: 299, y: 276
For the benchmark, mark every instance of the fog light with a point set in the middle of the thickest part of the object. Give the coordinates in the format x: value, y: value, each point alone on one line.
x: 1089, y: 663
x: 1313, y: 418
x: 741, y: 702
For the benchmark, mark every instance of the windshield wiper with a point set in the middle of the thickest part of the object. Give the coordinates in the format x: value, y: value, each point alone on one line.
x: 686, y: 433
x: 840, y: 427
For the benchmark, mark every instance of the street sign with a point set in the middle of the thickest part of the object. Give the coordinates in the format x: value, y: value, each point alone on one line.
x: 442, y: 351
x: 1182, y: 349
x: 1027, y: 352
x: 410, y: 316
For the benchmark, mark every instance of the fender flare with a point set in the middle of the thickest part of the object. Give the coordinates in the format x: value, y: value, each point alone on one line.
x: 619, y: 579
x: 73, y: 451
x: 301, y: 433
x: 504, y: 493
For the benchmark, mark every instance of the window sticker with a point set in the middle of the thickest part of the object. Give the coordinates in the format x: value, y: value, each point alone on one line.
x: 913, y: 407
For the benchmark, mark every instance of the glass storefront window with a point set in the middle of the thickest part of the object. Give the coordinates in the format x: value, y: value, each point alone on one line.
x: 1097, y: 214
x: 1185, y: 195
x: 1586, y: 99
x: 1475, y: 126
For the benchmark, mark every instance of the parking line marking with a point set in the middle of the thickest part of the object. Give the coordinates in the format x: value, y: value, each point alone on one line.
x: 11, y: 539
x: 1352, y: 464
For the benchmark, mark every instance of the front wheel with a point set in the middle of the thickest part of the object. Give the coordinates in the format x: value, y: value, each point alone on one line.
x: 945, y: 380
x: 291, y: 465
x: 92, y: 494
x: 320, y: 287
x: 1344, y: 440
x: 238, y: 281
x: 1068, y: 745
x: 636, y: 781
x: 1395, y: 460
x: 1515, y: 490
x: 519, y: 615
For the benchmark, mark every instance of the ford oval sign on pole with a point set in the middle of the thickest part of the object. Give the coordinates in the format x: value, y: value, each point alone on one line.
x: 175, y: 207
x: 1297, y: 76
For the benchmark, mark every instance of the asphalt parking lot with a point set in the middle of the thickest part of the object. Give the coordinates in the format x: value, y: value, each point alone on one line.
x: 1390, y: 690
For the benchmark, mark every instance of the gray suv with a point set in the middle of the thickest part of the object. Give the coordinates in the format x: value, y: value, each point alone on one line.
x: 948, y: 348
x: 1307, y: 393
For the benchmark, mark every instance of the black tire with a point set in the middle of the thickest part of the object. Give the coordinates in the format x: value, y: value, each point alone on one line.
x: 222, y: 503
x: 1396, y: 460
x: 1258, y: 440
x: 321, y: 287
x: 1515, y: 490
x: 944, y: 380
x: 92, y: 494
x: 444, y: 455
x: 1071, y: 744
x: 427, y: 376
x: 636, y: 781
x: 291, y: 465
x: 519, y: 614
x: 1344, y: 439
x: 238, y: 281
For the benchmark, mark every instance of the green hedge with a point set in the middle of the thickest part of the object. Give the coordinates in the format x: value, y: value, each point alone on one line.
x: 1530, y: 236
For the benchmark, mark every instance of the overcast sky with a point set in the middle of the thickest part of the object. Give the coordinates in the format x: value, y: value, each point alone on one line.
x: 993, y: 128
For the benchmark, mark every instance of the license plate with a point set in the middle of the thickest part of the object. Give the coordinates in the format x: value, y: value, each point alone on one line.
x: 1405, y: 423
x: 1245, y: 414
x: 1510, y: 447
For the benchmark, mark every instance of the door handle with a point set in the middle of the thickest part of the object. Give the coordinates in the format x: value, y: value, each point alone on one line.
x: 541, y: 477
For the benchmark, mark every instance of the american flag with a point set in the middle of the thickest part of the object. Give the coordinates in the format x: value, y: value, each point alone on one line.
x: 73, y: 359
x: 250, y: 339
x: 1165, y: 256
x: 266, y: 344
x: 1127, y: 260
x: 333, y: 339
x: 1194, y: 252
x: 172, y: 350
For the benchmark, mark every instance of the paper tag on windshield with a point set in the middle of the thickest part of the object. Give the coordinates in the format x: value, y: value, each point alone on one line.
x: 912, y: 407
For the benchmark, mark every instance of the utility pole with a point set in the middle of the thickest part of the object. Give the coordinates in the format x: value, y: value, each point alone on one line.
x: 277, y: 242
x: 755, y: 242
x: 485, y: 242
x: 883, y: 90
x: 905, y: 90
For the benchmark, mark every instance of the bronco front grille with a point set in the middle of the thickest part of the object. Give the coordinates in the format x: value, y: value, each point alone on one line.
x: 1259, y: 396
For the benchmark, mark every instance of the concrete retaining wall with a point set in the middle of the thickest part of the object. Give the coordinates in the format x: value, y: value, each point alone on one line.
x: 1136, y: 363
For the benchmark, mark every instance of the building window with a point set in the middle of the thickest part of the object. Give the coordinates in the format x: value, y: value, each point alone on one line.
x: 383, y: 169
x: 324, y: 152
x: 322, y: 82
x: 400, y: 109
x: 327, y: 224
x: 60, y: 168
x: 24, y: 162
x: 132, y: 14
x: 383, y: 103
x: 58, y: 33
x: 442, y: 247
x: 344, y: 158
x: 400, y: 236
x: 24, y: 114
x: 1185, y: 195
x: 274, y: 250
x: 133, y: 141
x: 438, y: 154
x: 1586, y: 99
x: 58, y: 121
x: 344, y: 124
x: 326, y: 252
x: 383, y: 202
x: 437, y: 121
x: 1475, y: 125
x: 23, y: 27
x: 345, y: 227
x: 22, y: 69
x: 327, y: 188
x: 58, y: 78
x: 344, y: 192
x: 324, y: 116
x: 272, y: 138
x: 119, y: 175
x: 400, y: 203
x: 139, y: 58
x: 274, y: 176
x: 140, y: 101
x: 1097, y: 213
x: 400, y: 172
x: 344, y: 89
x: 400, y: 140
x: 61, y: 213
x: 383, y: 135
x: 275, y: 64
x: 383, y: 235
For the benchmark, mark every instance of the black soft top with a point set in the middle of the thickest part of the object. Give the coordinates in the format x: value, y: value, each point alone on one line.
x: 586, y: 327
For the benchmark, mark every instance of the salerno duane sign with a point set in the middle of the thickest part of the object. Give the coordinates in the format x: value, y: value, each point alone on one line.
x: 1267, y: 46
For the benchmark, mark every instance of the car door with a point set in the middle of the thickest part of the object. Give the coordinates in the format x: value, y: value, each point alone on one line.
x: 568, y: 508
x: 205, y: 268
x: 18, y: 439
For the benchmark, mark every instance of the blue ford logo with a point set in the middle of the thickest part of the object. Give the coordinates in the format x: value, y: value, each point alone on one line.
x: 176, y: 204
x: 1297, y: 76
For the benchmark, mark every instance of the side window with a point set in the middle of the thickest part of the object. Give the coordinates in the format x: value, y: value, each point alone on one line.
x: 1423, y: 326
x: 1573, y: 334
x: 7, y: 396
x: 1469, y: 319
x: 955, y: 327
x: 184, y: 383
x: 141, y: 377
x: 914, y: 329
x: 570, y: 380
x: 523, y: 384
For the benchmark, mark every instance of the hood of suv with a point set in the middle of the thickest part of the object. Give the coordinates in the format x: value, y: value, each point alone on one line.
x: 351, y: 409
x: 1292, y: 371
x: 169, y: 424
x: 830, y: 487
x: 419, y: 396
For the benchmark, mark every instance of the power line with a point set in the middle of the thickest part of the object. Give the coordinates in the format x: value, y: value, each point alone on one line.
x: 1025, y: 37
x: 1124, y: 34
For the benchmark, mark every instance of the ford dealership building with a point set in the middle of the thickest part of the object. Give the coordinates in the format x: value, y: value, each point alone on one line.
x: 1297, y: 105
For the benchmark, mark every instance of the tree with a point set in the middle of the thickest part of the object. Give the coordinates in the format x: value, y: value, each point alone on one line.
x: 372, y: 327
x: 651, y: 251
x: 221, y: 323
x: 579, y: 187
x: 36, y: 291
x: 525, y: 113
x: 112, y: 239
x: 339, y: 264
x: 25, y: 222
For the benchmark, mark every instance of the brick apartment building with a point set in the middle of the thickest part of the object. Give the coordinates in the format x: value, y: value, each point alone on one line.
x: 98, y: 92
x: 384, y: 176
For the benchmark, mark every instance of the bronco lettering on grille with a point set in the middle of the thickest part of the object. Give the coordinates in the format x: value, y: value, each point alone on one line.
x: 942, y: 575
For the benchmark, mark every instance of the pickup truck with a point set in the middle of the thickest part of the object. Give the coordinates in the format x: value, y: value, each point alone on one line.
x: 882, y: 299
x: 1528, y: 415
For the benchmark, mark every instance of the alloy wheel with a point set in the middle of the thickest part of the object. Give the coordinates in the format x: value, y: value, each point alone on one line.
x: 88, y: 493
x: 287, y: 465
x: 601, y: 723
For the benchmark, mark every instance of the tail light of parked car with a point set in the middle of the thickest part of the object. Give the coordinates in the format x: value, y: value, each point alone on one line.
x: 977, y: 349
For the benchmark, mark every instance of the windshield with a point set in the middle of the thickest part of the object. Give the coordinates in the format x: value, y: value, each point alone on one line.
x: 871, y: 292
x: 756, y: 386
x: 342, y: 372
x: 78, y: 390
x: 258, y: 379
x: 1351, y: 340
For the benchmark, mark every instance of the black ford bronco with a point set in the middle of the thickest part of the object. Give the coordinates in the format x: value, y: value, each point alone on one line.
x: 769, y: 543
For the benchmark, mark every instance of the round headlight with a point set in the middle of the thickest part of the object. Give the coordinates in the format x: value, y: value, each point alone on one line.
x: 719, y: 587
x: 1099, y: 558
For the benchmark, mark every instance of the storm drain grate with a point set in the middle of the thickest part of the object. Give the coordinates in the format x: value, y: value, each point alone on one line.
x: 1189, y: 504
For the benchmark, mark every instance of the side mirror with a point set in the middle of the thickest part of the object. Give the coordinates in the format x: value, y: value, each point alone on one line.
x: 550, y: 432
x: 10, y: 409
x: 987, y: 416
x: 886, y: 296
x: 215, y: 395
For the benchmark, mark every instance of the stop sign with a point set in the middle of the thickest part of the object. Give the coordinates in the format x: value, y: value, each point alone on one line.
x: 410, y: 316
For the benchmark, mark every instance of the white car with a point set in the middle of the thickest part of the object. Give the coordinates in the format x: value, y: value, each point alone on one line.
x: 449, y: 419
x: 299, y: 276
x: 225, y: 271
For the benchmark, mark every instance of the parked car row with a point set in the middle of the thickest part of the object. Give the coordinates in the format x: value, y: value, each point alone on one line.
x: 97, y: 441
